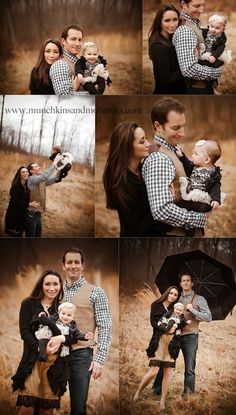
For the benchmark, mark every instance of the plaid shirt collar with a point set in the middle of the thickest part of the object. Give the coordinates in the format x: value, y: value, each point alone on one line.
x: 185, y: 16
x: 72, y: 58
x: 164, y: 143
x: 188, y: 295
x: 75, y: 285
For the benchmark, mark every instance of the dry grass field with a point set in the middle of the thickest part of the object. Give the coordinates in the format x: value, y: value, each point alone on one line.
x: 69, y: 205
x: 227, y: 82
x: 103, y: 393
x: 216, y: 367
x: 221, y: 223
x: 124, y: 65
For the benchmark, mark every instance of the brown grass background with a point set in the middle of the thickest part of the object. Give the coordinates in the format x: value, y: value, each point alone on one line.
x: 103, y: 393
x: 216, y: 367
x: 69, y: 204
x: 210, y: 117
x: 227, y: 82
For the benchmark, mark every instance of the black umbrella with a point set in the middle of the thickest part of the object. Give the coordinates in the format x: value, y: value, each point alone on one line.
x: 212, y: 279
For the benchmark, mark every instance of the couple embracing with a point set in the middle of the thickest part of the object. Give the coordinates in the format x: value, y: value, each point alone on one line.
x: 155, y: 188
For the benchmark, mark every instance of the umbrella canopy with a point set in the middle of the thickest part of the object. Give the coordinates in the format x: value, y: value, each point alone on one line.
x: 212, y: 279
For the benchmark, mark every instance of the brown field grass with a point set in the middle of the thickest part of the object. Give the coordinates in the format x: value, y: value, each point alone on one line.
x: 215, y: 373
x: 70, y: 203
x: 124, y: 64
x: 227, y: 82
x: 221, y: 223
x: 103, y: 393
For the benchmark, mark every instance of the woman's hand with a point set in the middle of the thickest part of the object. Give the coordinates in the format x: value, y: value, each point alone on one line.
x: 34, y: 204
x: 54, y: 344
x: 89, y: 335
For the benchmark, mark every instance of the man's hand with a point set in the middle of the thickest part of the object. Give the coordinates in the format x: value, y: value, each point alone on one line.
x: 96, y: 370
x: 178, y: 151
x: 189, y: 307
x: 58, y: 158
x: 77, y: 81
x: 54, y: 344
x: 89, y: 335
x: 172, y: 330
x: 215, y: 205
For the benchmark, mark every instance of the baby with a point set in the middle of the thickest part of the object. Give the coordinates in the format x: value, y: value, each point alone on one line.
x: 203, y: 181
x: 174, y: 319
x: 91, y: 70
x: 65, y: 164
x: 61, y: 323
x: 212, y: 53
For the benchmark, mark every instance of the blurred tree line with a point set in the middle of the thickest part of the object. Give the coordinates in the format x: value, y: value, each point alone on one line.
x: 206, y: 116
x: 26, y: 23
x: 18, y: 254
x: 141, y: 259
x: 210, y: 5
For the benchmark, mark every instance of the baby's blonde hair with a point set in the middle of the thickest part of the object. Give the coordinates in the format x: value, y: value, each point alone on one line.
x: 178, y: 305
x: 212, y: 149
x: 218, y: 18
x: 89, y: 44
x: 67, y: 305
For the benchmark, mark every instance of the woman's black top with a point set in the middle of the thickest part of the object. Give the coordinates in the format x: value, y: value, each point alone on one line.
x: 167, y: 75
x: 16, y: 212
x: 38, y: 87
x: 157, y: 311
x: 136, y: 218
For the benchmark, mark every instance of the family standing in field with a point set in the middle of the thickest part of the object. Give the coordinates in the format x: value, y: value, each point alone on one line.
x: 57, y: 325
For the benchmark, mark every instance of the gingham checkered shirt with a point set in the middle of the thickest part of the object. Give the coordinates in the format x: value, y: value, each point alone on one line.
x: 186, y: 43
x: 61, y: 76
x: 102, y: 315
x: 202, y: 311
x: 158, y: 173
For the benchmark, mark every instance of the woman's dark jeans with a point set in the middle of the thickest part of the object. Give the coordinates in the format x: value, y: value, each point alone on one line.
x: 80, y: 360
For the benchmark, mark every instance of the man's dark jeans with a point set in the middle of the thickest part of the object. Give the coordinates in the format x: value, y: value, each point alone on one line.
x: 33, y: 224
x: 189, y: 346
x: 80, y: 360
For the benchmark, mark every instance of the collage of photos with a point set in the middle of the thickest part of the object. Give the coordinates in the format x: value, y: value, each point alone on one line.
x: 117, y: 196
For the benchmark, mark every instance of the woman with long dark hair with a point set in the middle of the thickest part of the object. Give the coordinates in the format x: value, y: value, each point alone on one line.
x: 30, y: 378
x: 15, y: 218
x: 158, y: 349
x: 124, y: 187
x: 167, y: 75
x: 40, y: 82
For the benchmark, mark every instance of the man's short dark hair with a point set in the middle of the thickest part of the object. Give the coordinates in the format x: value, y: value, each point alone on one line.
x: 67, y: 28
x: 185, y: 275
x: 185, y: 1
x: 161, y: 109
x: 74, y: 251
x: 29, y: 168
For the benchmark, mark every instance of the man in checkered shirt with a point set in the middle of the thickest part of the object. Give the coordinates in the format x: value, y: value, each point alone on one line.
x: 92, y: 311
x: 62, y: 72
x: 200, y: 79
x: 159, y: 169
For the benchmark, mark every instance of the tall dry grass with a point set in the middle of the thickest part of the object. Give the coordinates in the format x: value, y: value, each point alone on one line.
x: 221, y: 223
x: 227, y: 82
x: 215, y: 373
x: 103, y: 393
x: 69, y: 204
